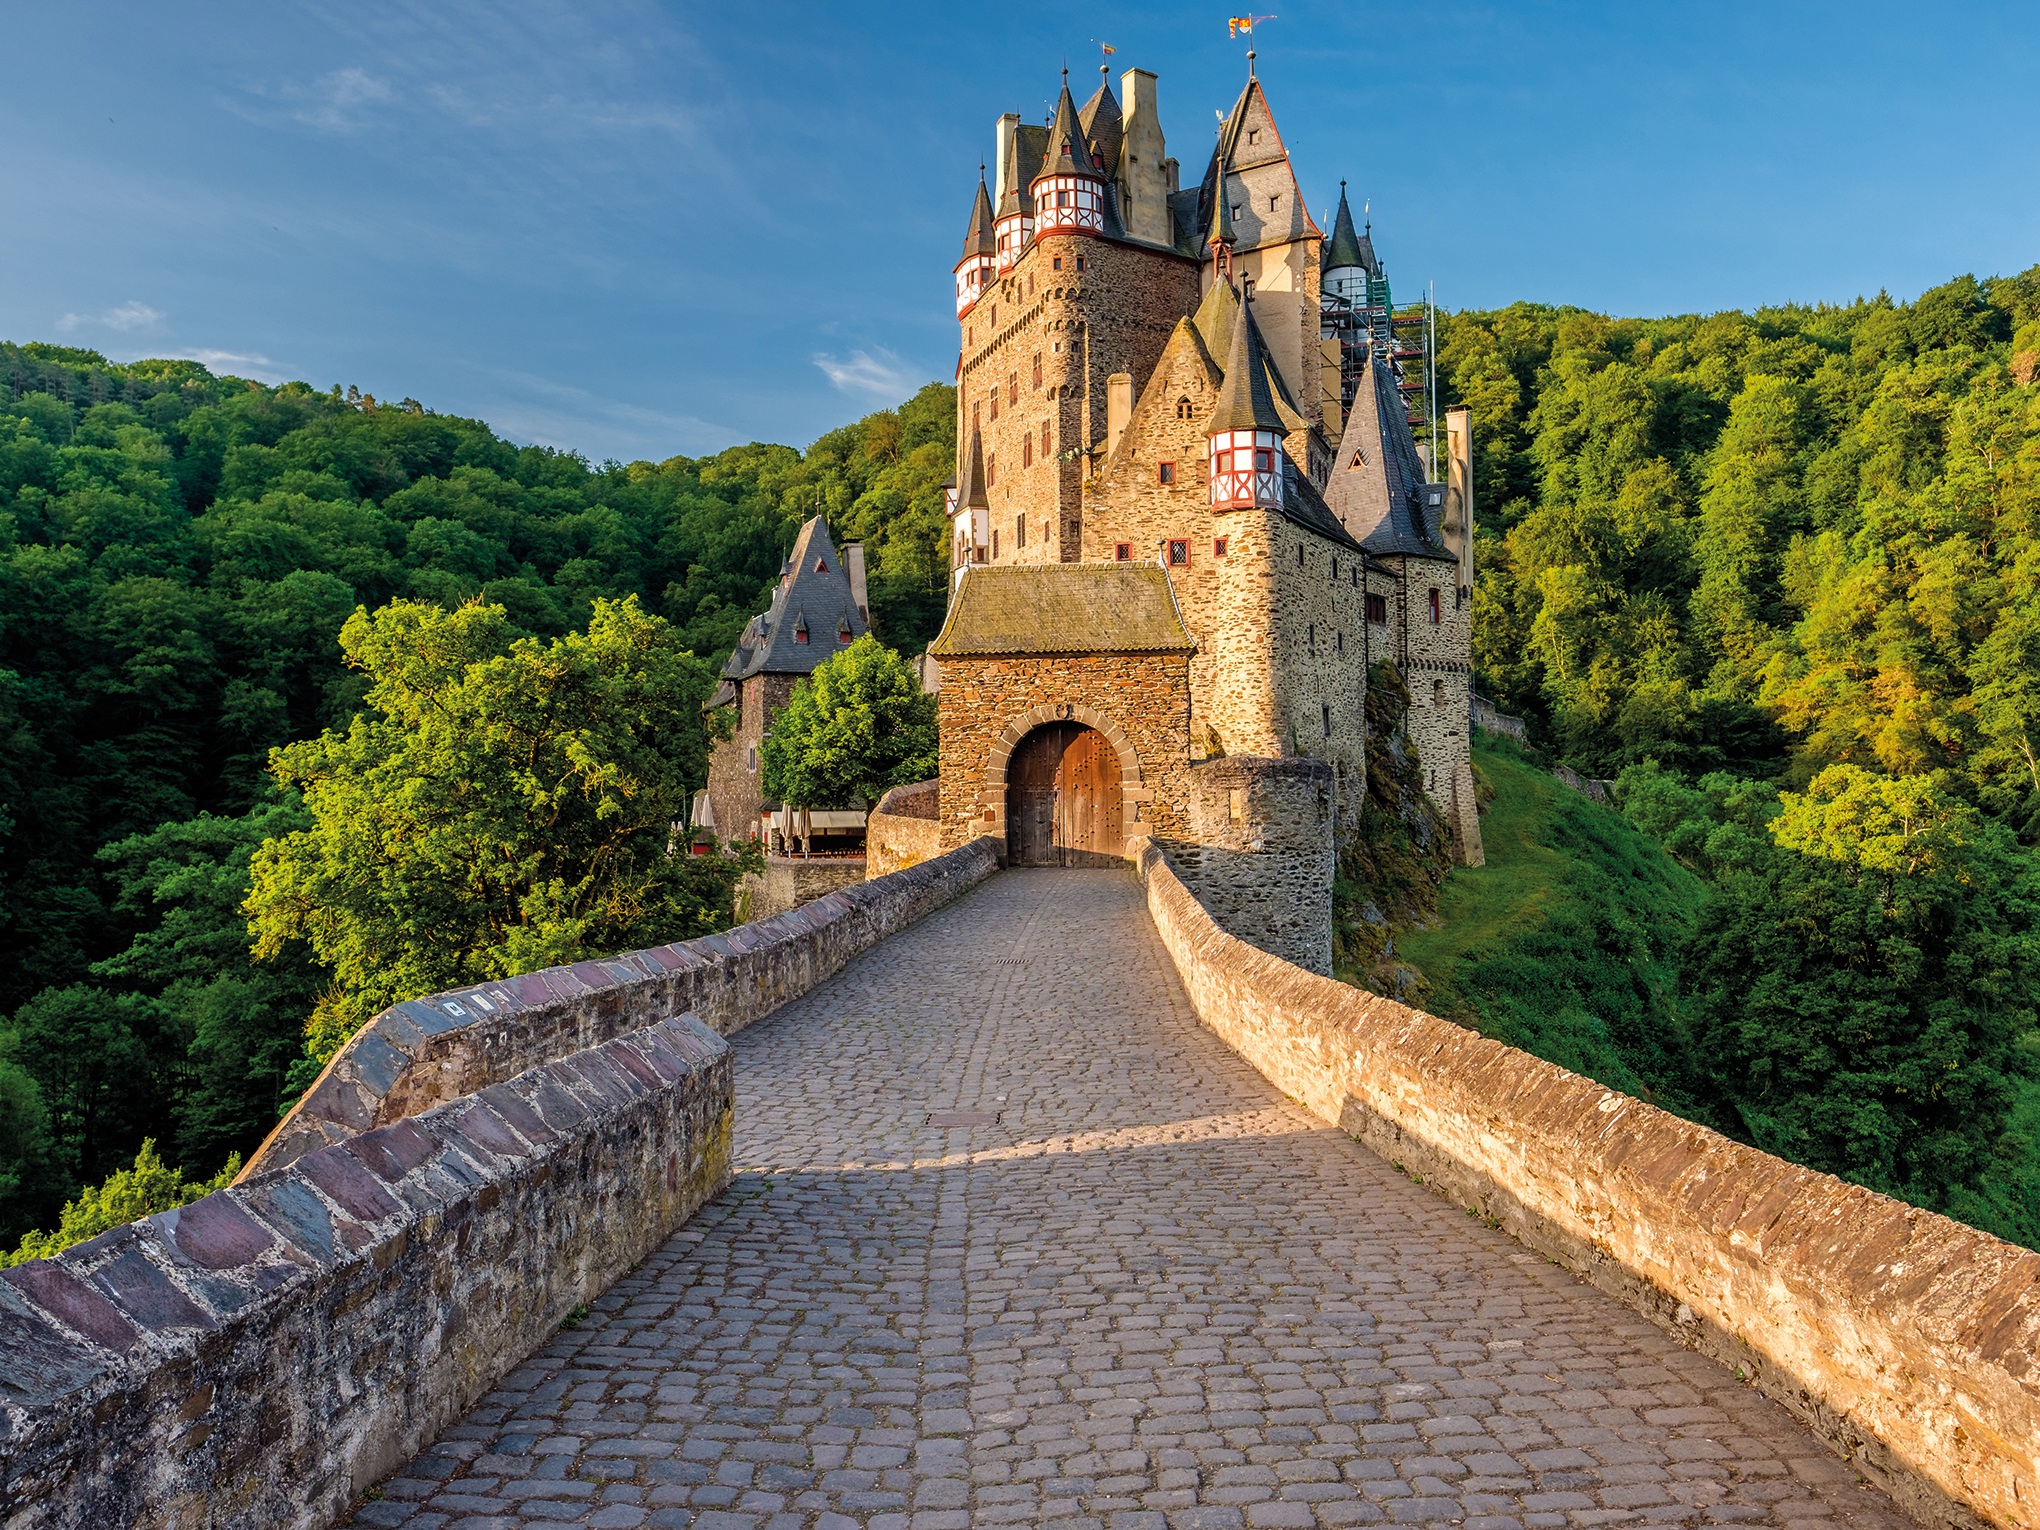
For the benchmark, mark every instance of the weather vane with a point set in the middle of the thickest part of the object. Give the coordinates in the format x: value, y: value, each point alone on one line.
x: 1237, y: 24
x: 1108, y: 51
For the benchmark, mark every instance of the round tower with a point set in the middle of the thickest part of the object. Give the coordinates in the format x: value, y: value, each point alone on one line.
x: 1069, y: 192
x: 1243, y: 441
x: 974, y: 270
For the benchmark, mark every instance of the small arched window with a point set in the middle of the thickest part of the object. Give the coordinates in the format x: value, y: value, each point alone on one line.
x: 1183, y: 407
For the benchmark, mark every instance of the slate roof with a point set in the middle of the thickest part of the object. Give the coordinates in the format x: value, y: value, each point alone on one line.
x: 1381, y: 498
x: 1345, y: 248
x: 970, y: 483
x: 977, y: 239
x: 1028, y: 146
x: 813, y: 595
x: 1068, y: 151
x: 1244, y: 399
x: 1063, y: 608
x: 1103, y: 125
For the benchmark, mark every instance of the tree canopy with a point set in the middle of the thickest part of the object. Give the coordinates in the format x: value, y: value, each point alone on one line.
x: 853, y: 730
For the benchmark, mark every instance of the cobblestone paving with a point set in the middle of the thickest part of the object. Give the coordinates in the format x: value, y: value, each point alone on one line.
x: 1154, y: 1296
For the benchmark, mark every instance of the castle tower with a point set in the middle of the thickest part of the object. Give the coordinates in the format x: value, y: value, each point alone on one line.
x: 974, y: 270
x: 1244, y: 454
x: 1250, y: 186
x: 1019, y: 152
x: 1349, y: 263
x: 1069, y: 189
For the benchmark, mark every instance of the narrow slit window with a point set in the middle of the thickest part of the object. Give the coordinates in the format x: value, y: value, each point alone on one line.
x: 1435, y: 617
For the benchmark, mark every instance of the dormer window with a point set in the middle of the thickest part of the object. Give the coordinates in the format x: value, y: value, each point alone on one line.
x: 821, y: 567
x: 800, y: 634
x: 1253, y: 135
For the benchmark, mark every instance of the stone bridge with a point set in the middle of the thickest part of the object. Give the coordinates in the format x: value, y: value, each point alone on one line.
x: 975, y: 1198
x: 1132, y: 1286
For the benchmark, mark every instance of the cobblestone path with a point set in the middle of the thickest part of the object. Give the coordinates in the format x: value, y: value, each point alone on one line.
x: 1155, y: 1295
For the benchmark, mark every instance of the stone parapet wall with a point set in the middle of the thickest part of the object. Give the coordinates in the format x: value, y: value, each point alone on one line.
x: 416, y: 1054
x: 1909, y: 1342
x: 904, y: 830
x: 261, y: 1357
x: 1260, y: 857
x: 788, y: 882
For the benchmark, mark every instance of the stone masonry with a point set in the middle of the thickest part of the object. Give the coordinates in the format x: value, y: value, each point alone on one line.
x: 1140, y: 702
x: 1135, y: 1288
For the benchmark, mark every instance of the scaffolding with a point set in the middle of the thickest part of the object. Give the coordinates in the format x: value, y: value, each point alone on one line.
x: 1402, y: 337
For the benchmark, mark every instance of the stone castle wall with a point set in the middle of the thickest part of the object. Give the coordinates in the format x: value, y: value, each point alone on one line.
x: 904, y: 830
x: 1904, y: 1339
x: 736, y: 787
x: 1113, y: 316
x: 422, y: 1052
x: 261, y: 1357
x: 1139, y: 701
x: 788, y: 882
x: 1260, y: 856
x: 1434, y: 658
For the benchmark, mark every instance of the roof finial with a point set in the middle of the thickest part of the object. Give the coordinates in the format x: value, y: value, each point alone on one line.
x: 1250, y: 63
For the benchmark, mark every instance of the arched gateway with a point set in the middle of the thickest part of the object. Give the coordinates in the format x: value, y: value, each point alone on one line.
x: 1064, y: 803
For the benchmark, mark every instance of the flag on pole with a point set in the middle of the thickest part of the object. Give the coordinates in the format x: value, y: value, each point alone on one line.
x: 1109, y: 49
x: 1238, y: 24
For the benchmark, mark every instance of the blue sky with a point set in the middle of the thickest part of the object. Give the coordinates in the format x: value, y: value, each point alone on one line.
x: 639, y: 229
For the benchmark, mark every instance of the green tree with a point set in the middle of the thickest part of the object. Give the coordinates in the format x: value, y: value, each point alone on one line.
x: 149, y: 1187
x: 1861, y: 991
x: 502, y: 805
x: 856, y: 728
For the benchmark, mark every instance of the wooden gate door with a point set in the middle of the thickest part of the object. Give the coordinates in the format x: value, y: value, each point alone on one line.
x: 1031, y: 773
x: 1090, y: 807
x: 1062, y: 798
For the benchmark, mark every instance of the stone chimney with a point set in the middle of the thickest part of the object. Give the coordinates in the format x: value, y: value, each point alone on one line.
x: 1143, y: 160
x: 853, y: 560
x: 1008, y: 129
x: 1118, y: 409
x: 1458, y: 526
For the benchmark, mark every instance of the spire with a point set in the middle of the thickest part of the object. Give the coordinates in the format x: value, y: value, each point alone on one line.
x: 1104, y: 127
x: 1347, y: 248
x: 1069, y: 150
x: 977, y: 239
x: 1221, y: 230
x: 970, y: 487
x: 1244, y: 402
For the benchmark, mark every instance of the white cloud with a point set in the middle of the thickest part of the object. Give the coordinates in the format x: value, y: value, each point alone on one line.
x: 123, y: 317
x: 240, y: 363
x: 883, y: 376
x: 331, y: 99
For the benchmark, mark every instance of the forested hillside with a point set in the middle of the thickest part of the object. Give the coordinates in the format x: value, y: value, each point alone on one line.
x: 1778, y: 574
x: 178, y: 554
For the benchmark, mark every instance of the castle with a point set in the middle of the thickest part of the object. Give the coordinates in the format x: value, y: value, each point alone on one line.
x: 1190, y: 511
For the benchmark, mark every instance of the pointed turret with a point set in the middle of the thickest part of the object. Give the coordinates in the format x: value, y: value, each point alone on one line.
x: 1244, y: 445
x: 1104, y: 128
x: 1377, y: 482
x: 1069, y: 191
x: 1019, y: 153
x: 972, y: 507
x: 980, y: 249
x: 1348, y: 262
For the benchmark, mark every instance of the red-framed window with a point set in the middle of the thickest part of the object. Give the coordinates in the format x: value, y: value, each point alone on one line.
x: 1122, y: 552
x: 1223, y: 463
x: 1165, y: 473
x: 1037, y: 369
x: 992, y: 461
x: 1264, y: 460
x: 1179, y: 554
x: 1027, y: 451
x: 1218, y: 547
x: 1435, y: 614
x: 1012, y: 387
x: 1044, y: 440
x: 995, y: 403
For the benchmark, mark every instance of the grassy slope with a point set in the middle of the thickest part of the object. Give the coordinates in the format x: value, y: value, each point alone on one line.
x: 1566, y: 942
